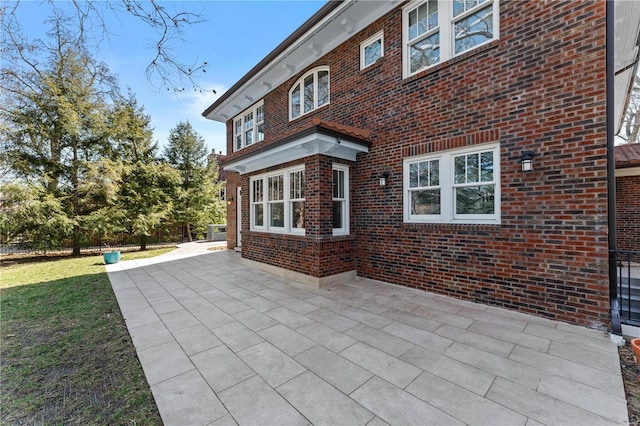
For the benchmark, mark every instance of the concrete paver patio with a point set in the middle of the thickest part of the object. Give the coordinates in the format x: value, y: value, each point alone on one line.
x: 222, y: 343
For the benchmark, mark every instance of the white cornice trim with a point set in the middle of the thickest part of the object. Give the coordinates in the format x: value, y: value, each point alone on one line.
x: 629, y: 171
x: 326, y: 35
x: 316, y: 143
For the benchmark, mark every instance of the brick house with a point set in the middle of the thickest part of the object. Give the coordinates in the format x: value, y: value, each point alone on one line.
x: 458, y: 147
x: 219, y: 158
x: 628, y: 197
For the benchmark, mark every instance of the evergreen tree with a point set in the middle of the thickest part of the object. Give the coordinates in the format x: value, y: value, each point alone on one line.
x: 131, y: 131
x: 146, y: 197
x: 54, y: 124
x: 147, y: 187
x: 32, y: 212
x: 187, y: 153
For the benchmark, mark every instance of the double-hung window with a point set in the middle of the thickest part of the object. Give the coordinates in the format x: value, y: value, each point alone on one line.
x: 424, y: 188
x: 340, y: 200
x: 296, y: 199
x: 437, y: 30
x: 459, y: 186
x: 257, y: 204
x: 309, y: 93
x: 277, y: 201
x: 248, y: 127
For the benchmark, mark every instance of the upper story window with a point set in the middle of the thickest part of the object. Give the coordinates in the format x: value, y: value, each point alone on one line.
x: 437, y: 30
x: 309, y: 93
x: 248, y: 127
x: 371, y: 50
x: 458, y: 186
x: 277, y: 202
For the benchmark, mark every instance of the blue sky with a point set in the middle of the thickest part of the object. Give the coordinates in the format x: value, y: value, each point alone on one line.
x: 236, y: 36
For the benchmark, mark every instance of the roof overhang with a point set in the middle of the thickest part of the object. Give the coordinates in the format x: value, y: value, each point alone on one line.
x: 627, y: 54
x: 312, y: 141
x: 332, y: 25
x: 627, y: 156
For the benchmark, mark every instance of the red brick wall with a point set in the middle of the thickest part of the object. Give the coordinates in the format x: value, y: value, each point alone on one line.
x: 317, y: 257
x: 541, y: 87
x: 233, y: 182
x: 317, y: 253
x: 628, y: 213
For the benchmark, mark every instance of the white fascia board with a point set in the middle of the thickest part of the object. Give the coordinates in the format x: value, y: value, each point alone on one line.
x: 341, y: 24
x: 629, y: 171
x: 316, y: 143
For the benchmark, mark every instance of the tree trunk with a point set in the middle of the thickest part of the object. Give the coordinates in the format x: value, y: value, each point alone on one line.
x: 635, y: 127
x: 143, y: 242
x: 189, y: 236
x: 76, y: 241
x: 75, y: 200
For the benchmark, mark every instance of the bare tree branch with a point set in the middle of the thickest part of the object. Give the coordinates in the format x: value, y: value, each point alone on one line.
x: 165, y: 68
x: 630, y: 132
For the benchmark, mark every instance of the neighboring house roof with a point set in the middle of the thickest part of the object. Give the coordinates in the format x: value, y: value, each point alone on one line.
x: 219, y: 158
x: 627, y: 155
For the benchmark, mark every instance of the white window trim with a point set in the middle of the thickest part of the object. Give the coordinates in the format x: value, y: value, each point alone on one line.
x: 446, y: 21
x: 377, y: 36
x: 300, y: 83
x: 240, y: 117
x: 447, y: 201
x: 287, y: 229
x: 345, y: 206
x: 252, y: 203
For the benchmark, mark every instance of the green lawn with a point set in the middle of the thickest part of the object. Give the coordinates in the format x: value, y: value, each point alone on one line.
x: 67, y: 357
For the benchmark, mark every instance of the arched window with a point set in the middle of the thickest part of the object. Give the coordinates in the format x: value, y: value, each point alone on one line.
x: 309, y: 93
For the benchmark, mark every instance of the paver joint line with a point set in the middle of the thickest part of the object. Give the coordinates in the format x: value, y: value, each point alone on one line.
x: 220, y: 342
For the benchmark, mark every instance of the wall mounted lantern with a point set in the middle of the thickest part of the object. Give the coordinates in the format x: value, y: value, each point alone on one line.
x: 527, y: 161
x: 383, y: 178
x: 229, y: 200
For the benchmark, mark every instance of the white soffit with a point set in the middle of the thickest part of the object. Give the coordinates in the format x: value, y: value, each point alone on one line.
x: 315, y: 143
x: 627, y: 33
x: 342, y: 23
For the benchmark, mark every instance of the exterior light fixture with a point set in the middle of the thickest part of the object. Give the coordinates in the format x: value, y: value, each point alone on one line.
x: 527, y: 161
x: 229, y: 201
x: 383, y: 178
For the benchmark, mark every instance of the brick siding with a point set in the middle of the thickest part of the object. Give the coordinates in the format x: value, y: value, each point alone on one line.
x: 628, y: 213
x: 541, y: 87
x: 233, y: 182
x: 317, y: 253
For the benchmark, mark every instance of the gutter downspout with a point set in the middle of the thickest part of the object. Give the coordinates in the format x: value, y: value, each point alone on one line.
x: 616, y: 327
